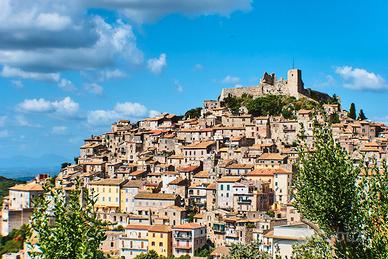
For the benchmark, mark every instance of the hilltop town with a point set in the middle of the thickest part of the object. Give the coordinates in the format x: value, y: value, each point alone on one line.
x: 221, y: 174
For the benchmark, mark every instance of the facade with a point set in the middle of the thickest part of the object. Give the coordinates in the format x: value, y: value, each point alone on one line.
x: 187, y: 238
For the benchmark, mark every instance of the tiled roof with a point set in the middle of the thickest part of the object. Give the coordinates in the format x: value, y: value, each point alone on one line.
x: 188, y: 226
x: 160, y: 228
x: 111, y: 181
x: 271, y: 156
x: 229, y: 179
x: 155, y: 196
x: 27, y: 187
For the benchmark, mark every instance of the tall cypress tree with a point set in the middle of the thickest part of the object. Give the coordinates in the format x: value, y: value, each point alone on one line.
x: 361, y: 116
x: 352, y: 111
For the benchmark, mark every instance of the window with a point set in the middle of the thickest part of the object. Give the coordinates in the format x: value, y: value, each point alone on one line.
x: 222, y: 187
x: 228, y: 187
x: 153, y: 243
x: 161, y: 244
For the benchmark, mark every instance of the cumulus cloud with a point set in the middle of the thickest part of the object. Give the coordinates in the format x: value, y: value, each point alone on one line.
x: 8, y: 71
x: 66, y: 106
x: 145, y: 11
x: 66, y: 85
x: 126, y: 110
x: 156, y: 65
x: 361, y: 79
x: 94, y: 88
x: 111, y: 74
x: 232, y: 80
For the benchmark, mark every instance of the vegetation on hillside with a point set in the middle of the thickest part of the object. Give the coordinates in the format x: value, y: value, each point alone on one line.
x: 251, y: 250
x: 348, y: 203
x: 193, y: 113
x: 76, y: 232
x: 154, y: 255
x: 275, y: 105
x: 5, y: 184
x: 13, y: 242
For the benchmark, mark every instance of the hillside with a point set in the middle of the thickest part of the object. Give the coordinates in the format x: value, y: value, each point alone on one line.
x: 5, y: 184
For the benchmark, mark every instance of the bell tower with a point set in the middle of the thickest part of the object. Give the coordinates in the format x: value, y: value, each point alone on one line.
x: 294, y: 82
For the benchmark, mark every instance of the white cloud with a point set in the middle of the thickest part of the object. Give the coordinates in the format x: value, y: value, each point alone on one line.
x: 178, y: 86
x: 8, y: 71
x: 144, y: 11
x: 66, y: 106
x: 153, y: 113
x: 232, y: 80
x: 66, y: 85
x: 53, y: 21
x: 326, y: 82
x: 126, y: 110
x: 94, y: 88
x: 361, y: 79
x: 156, y: 65
x: 111, y: 74
x: 59, y: 130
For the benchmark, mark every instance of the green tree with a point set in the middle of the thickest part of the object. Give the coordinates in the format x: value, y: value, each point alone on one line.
x: 352, y: 111
x: 351, y: 214
x: 193, y: 113
x: 65, y: 225
x: 65, y: 164
x: 149, y: 255
x: 361, y: 116
x: 251, y: 250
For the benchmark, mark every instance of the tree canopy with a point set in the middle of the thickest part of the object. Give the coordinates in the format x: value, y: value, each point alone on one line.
x: 352, y: 111
x: 346, y: 202
x: 65, y: 225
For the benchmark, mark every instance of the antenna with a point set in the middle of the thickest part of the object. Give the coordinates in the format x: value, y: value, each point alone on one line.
x: 293, y: 63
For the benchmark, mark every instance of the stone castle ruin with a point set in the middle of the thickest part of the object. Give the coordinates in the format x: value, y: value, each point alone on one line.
x: 269, y: 84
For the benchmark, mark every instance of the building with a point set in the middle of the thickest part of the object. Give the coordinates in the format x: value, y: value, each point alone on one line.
x: 187, y: 238
x: 160, y: 239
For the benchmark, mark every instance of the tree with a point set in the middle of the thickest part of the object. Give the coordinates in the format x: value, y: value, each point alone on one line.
x: 351, y: 213
x: 65, y: 225
x: 193, y: 113
x: 361, y: 116
x: 149, y: 255
x: 251, y: 250
x: 65, y: 164
x: 352, y: 111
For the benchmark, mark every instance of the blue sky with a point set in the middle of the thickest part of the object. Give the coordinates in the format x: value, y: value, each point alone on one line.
x: 70, y: 68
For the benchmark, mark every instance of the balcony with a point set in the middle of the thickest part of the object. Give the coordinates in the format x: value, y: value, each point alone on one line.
x: 219, y: 228
x: 183, y: 246
x: 183, y: 237
x: 244, y: 201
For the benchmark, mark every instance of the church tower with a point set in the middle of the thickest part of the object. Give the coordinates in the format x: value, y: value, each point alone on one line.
x: 294, y: 82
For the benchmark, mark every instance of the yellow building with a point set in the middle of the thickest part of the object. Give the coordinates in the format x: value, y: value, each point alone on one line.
x: 160, y: 239
x: 108, y: 192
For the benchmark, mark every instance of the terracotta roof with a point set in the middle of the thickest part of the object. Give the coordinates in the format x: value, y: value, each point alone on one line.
x: 188, y: 169
x: 188, y: 226
x: 212, y: 186
x: 199, y: 145
x: 240, y: 166
x: 271, y: 235
x: 155, y: 196
x: 138, y: 172
x: 268, y: 172
x: 271, y: 156
x: 133, y: 184
x: 202, y: 174
x: 160, y: 228
x: 178, y: 181
x: 111, y: 181
x: 137, y: 227
x: 27, y: 187
x: 229, y: 179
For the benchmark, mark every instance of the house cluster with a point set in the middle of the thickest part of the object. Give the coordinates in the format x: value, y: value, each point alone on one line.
x: 174, y: 184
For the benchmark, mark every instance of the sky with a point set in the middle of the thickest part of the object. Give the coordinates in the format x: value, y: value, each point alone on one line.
x: 68, y: 69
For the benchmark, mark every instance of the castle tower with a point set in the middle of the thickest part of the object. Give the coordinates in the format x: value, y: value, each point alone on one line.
x: 294, y: 82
